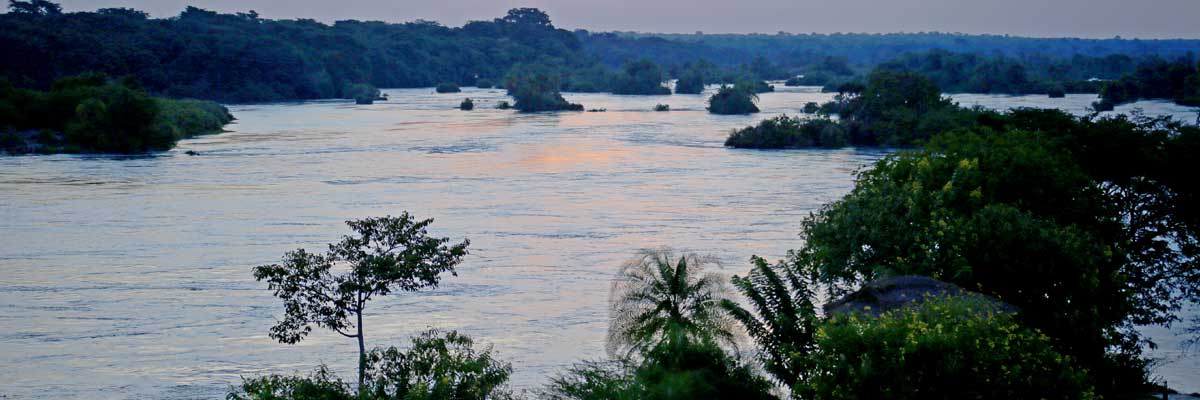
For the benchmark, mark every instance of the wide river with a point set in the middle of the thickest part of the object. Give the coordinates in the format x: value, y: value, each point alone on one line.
x: 130, y: 277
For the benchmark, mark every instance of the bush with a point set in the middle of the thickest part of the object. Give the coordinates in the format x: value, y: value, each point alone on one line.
x: 466, y: 105
x: 322, y: 385
x: 437, y: 367
x: 447, y: 87
x: 685, y: 372
x: 943, y: 348
x: 484, y: 83
x: 662, y: 107
x: 503, y: 105
x: 732, y: 100
x: 811, y: 107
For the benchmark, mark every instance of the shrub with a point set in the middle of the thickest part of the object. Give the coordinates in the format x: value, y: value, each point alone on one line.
x: 484, y: 83
x: 447, y: 87
x: 662, y: 107
x: 811, y: 107
x: 1056, y: 92
x: 466, y: 105
x: 503, y: 105
x: 732, y: 100
x: 943, y: 348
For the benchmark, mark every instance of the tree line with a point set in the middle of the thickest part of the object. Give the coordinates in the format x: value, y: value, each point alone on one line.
x: 242, y: 57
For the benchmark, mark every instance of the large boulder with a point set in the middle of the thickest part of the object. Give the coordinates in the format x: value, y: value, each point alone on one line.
x: 886, y: 294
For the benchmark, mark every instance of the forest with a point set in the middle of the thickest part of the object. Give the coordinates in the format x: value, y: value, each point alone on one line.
x: 242, y: 57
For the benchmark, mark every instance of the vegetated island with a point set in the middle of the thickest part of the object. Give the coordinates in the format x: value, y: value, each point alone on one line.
x: 92, y: 113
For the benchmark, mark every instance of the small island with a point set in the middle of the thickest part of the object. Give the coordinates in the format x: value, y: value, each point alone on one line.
x: 92, y: 113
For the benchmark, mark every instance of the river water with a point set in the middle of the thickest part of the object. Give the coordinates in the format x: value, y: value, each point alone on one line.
x: 129, y: 277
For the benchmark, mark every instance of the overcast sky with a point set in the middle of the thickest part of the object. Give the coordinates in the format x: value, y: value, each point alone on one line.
x: 1074, y: 18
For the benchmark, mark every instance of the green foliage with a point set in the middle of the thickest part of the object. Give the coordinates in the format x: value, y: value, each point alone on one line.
x: 662, y: 107
x: 437, y: 367
x: 640, y: 77
x: 383, y: 255
x: 811, y: 108
x: 244, y: 58
x: 660, y: 299
x: 953, y: 348
x: 321, y: 385
x: 447, y: 87
x: 362, y: 93
x: 484, y: 83
x: 756, y: 86
x: 1037, y: 197
x: 785, y: 132
x: 680, y: 372
x: 466, y: 105
x: 592, y: 380
x: 782, y: 319
x: 733, y: 100
x: 889, y: 109
x: 503, y: 105
x: 94, y: 114
x: 536, y: 88
x: 691, y: 82
x: 1155, y: 78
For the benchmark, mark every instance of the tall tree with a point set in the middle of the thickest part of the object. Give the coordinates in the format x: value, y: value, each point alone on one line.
x: 381, y: 256
x: 660, y: 299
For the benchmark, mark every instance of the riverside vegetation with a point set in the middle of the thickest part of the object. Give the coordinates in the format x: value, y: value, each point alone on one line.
x: 986, y: 207
x: 92, y: 113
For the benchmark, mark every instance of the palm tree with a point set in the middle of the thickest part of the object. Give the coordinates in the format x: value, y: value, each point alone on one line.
x: 783, y: 323
x: 660, y: 300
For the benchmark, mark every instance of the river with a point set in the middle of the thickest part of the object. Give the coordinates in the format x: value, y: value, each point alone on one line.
x: 129, y: 277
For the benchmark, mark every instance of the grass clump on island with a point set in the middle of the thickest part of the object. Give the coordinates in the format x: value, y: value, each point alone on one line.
x: 91, y: 113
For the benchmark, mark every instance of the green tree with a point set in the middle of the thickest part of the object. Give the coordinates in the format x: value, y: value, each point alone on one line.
x: 943, y: 348
x: 660, y: 299
x: 640, y: 77
x: 783, y: 322
x: 733, y: 100
x: 382, y: 255
x: 691, y: 82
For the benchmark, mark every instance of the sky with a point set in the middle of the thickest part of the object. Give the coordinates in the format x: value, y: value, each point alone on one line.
x: 1040, y: 18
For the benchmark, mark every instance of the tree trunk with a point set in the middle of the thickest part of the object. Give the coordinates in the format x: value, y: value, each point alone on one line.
x: 362, y: 354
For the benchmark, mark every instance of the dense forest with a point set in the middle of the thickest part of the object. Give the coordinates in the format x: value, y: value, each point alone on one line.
x: 245, y: 58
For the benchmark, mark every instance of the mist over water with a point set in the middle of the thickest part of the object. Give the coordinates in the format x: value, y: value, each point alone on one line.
x: 129, y: 277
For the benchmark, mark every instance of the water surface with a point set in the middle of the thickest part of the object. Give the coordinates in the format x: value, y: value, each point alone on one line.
x: 129, y: 277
